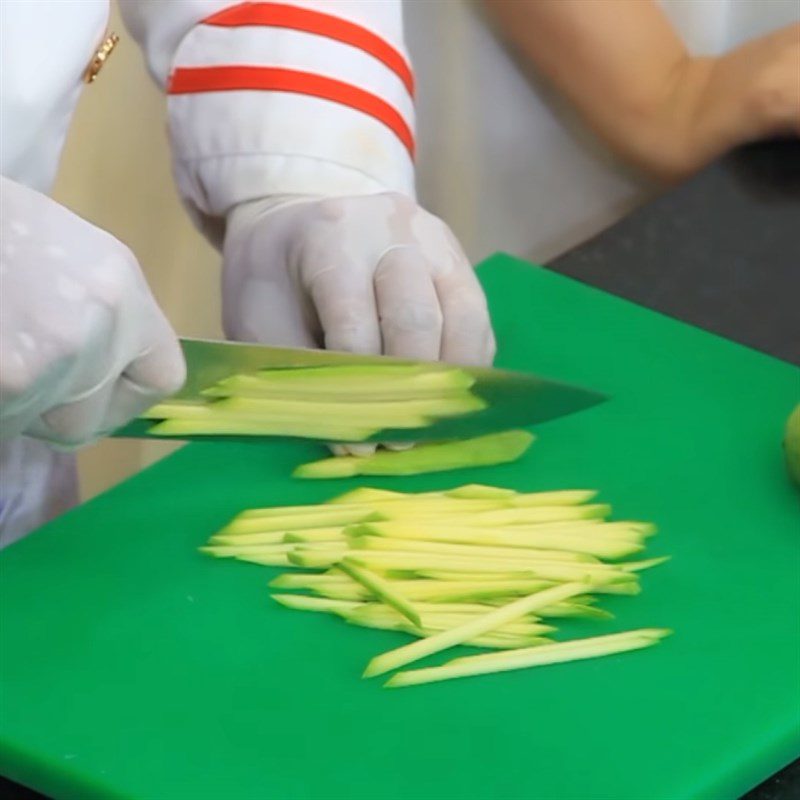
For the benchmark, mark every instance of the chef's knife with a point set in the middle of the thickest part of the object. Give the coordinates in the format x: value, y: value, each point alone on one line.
x: 514, y: 399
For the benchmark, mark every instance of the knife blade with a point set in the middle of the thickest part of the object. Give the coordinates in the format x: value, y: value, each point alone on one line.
x: 514, y: 399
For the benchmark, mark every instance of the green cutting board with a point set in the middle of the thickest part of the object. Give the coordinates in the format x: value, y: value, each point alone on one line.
x: 134, y: 667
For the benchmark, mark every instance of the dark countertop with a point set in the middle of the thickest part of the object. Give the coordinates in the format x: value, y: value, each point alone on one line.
x: 721, y: 251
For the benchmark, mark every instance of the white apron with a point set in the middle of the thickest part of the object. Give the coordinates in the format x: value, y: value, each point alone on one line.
x: 45, y: 47
x: 505, y: 165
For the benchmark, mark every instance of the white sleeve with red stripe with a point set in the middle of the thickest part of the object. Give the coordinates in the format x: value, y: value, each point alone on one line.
x: 297, y: 97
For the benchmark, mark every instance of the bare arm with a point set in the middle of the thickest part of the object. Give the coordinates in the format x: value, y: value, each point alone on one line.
x: 626, y: 70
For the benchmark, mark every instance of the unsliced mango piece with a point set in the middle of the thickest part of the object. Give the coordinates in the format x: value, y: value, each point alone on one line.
x: 495, y: 448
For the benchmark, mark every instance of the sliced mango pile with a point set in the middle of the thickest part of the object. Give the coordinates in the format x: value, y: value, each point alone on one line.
x: 476, y: 565
x: 347, y: 403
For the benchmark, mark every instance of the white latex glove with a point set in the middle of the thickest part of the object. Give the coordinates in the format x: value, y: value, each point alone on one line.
x: 83, y: 345
x: 365, y: 274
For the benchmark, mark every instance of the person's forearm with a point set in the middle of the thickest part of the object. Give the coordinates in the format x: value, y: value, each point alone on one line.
x: 629, y: 75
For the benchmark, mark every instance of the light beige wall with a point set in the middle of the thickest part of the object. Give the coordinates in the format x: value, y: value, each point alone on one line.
x: 116, y: 173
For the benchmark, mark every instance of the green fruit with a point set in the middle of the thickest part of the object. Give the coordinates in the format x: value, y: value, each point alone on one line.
x: 791, y: 445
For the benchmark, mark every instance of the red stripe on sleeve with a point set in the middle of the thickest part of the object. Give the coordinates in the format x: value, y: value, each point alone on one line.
x: 192, y: 80
x: 277, y: 15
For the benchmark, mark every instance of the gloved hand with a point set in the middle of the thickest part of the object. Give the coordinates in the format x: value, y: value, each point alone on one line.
x: 83, y: 345
x: 366, y: 274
